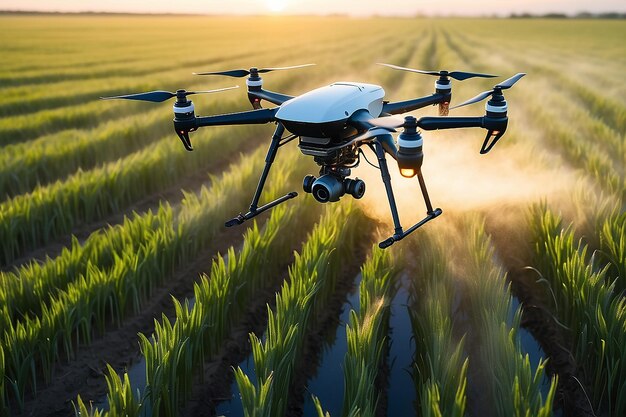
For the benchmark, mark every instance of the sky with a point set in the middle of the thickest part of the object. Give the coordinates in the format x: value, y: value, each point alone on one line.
x: 351, y: 7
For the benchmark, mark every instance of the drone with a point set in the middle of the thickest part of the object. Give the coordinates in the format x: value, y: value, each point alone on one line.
x: 333, y: 123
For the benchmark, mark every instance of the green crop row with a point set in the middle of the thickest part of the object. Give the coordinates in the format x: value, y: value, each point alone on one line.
x: 367, y: 335
x: 511, y: 387
x: 27, y: 290
x: 34, y: 219
x: 25, y: 166
x: 302, y: 299
x: 30, y: 287
x: 589, y: 301
x: 440, y: 366
x: 100, y: 293
x: 613, y: 248
x: 581, y: 149
x: 514, y: 388
x: 219, y: 302
x: 24, y: 127
x: 37, y: 342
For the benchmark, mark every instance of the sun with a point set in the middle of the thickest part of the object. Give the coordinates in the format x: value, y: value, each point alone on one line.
x: 276, y: 6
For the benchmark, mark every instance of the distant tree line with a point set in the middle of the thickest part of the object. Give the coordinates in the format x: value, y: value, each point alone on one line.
x: 580, y: 15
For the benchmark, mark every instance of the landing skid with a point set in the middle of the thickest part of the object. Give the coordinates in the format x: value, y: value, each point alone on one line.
x: 399, y: 236
x: 240, y: 218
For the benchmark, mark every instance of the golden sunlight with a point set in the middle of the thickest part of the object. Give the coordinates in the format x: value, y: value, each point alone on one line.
x: 276, y: 6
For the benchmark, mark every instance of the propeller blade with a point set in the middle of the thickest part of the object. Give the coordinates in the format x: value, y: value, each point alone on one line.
x: 475, y: 99
x: 154, y: 96
x: 509, y: 83
x: 461, y: 75
x: 409, y: 69
x: 457, y: 75
x: 232, y: 73
x: 242, y: 72
x: 502, y: 86
x: 159, y: 96
x: 217, y: 90
x: 285, y: 68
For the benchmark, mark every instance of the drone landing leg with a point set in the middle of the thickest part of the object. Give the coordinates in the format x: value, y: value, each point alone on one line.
x: 430, y: 213
x: 399, y: 234
x: 254, y: 211
x: 429, y: 207
x: 384, y: 172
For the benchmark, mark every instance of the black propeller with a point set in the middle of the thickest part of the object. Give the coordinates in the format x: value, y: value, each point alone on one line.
x: 457, y: 75
x: 497, y: 90
x: 239, y: 73
x: 159, y: 96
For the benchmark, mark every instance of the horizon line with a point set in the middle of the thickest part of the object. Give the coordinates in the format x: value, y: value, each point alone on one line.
x: 347, y: 15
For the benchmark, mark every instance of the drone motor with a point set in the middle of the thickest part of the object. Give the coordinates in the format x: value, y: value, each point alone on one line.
x: 184, y: 114
x: 410, y: 155
x: 496, y: 114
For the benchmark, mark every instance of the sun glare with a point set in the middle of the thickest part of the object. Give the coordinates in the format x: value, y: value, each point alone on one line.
x: 276, y: 6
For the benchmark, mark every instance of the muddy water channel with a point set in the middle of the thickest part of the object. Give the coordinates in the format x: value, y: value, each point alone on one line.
x: 327, y: 383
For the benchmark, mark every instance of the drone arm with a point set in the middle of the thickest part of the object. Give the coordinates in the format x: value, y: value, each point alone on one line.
x: 256, y: 96
x: 436, y: 123
x: 496, y: 126
x: 187, y: 122
x: 414, y: 104
x: 252, y: 117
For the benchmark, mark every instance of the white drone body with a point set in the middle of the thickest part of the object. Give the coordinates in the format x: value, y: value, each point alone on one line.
x: 333, y: 103
x: 322, y: 113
